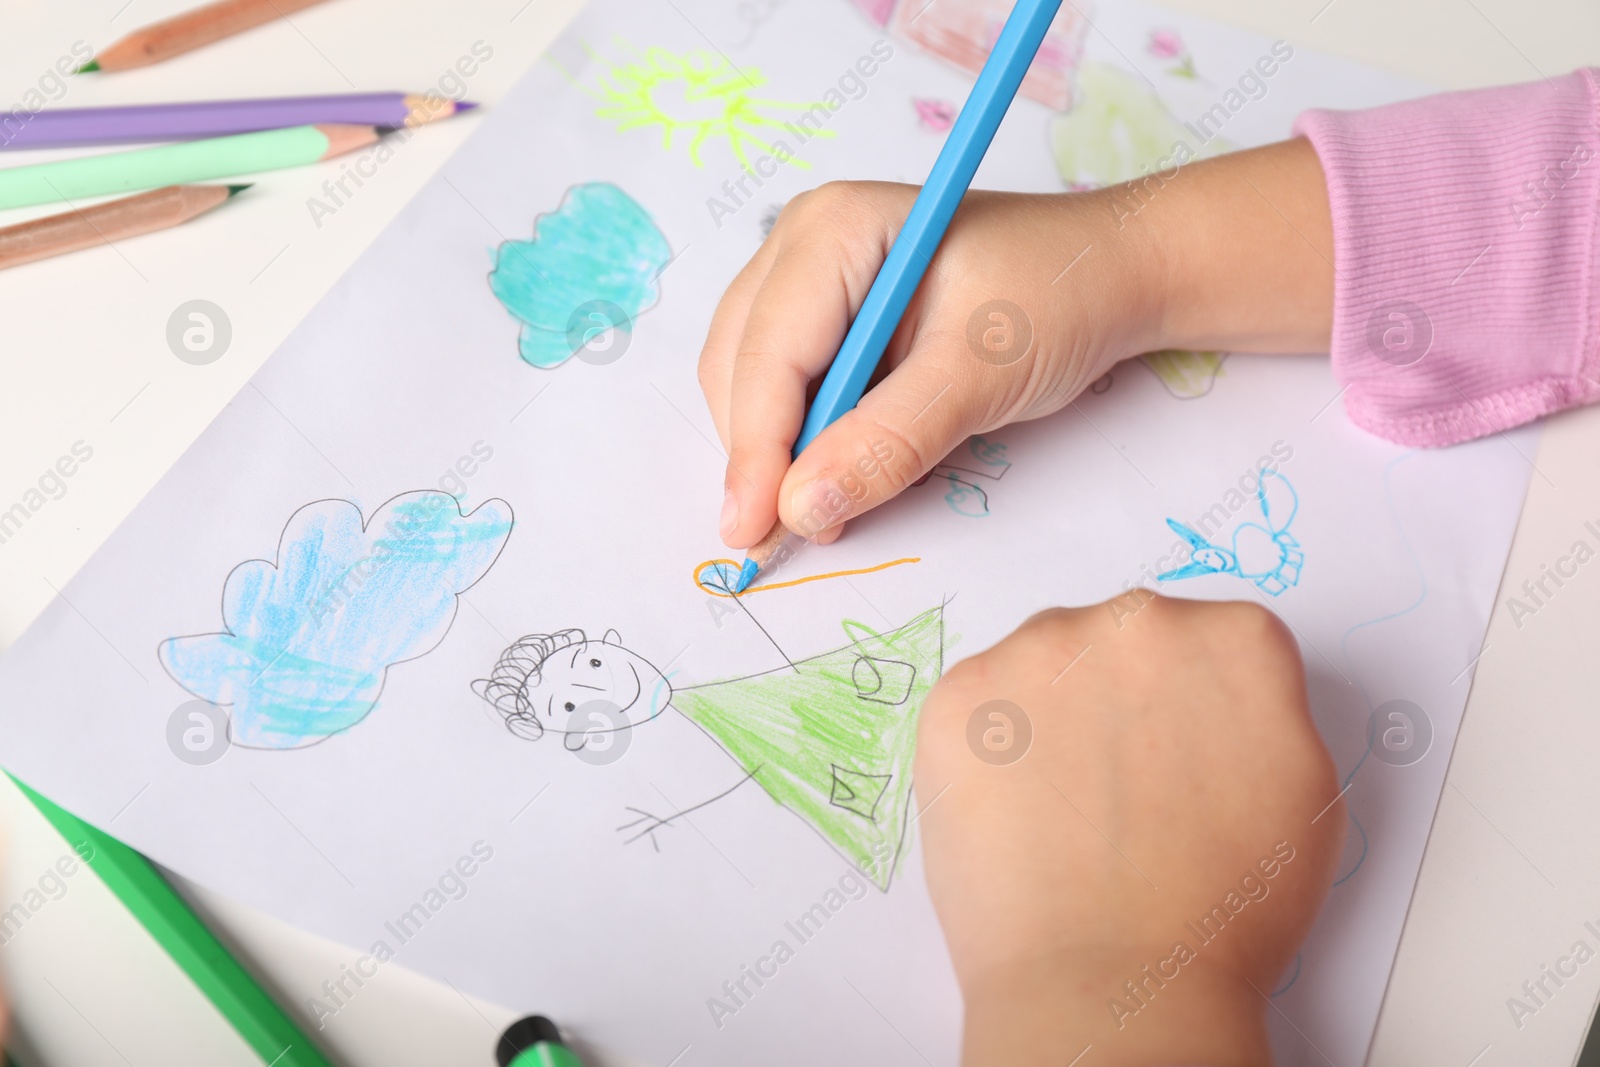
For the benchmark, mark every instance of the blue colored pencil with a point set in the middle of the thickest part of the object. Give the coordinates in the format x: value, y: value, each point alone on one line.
x: 919, y: 238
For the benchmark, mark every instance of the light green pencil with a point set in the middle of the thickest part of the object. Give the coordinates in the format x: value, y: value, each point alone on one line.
x: 178, y: 164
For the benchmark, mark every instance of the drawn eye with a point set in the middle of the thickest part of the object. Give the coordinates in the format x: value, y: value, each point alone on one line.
x: 594, y: 663
x: 568, y: 706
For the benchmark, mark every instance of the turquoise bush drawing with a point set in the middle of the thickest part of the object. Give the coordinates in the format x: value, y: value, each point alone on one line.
x: 309, y: 639
x: 966, y: 496
x: 1261, y: 552
x: 590, y: 269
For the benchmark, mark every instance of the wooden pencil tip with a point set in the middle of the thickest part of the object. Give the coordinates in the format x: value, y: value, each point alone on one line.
x: 423, y: 109
x: 344, y: 138
x: 235, y: 190
x: 89, y: 67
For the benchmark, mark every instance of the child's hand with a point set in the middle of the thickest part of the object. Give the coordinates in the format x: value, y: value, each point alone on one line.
x: 1172, y: 770
x: 960, y: 363
x: 1029, y: 299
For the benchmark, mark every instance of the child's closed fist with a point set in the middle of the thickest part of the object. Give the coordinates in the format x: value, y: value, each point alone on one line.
x: 1130, y: 823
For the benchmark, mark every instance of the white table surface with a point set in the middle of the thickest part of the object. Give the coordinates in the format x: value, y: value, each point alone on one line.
x: 1511, y: 870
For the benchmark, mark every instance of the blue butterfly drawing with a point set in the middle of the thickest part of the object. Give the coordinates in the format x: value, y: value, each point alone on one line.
x: 1261, y: 552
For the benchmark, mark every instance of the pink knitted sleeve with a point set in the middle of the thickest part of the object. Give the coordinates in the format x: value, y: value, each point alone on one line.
x: 1466, y: 256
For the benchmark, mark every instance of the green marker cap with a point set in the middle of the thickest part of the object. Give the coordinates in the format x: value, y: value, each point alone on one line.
x: 534, y: 1042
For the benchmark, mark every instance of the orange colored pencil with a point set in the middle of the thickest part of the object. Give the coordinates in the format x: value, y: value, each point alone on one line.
x: 158, y: 209
x: 190, y: 30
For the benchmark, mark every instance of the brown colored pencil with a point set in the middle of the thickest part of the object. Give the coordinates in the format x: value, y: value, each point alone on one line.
x: 104, y: 223
x: 190, y: 30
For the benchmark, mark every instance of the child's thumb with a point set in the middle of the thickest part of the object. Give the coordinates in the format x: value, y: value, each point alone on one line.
x: 901, y: 428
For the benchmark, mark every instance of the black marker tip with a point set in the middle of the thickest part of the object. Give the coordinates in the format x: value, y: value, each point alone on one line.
x: 524, y: 1034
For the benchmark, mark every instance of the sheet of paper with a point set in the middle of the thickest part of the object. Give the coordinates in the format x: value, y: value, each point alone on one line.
x: 419, y: 648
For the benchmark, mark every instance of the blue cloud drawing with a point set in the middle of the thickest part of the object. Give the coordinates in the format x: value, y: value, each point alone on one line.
x: 591, y: 266
x: 309, y: 638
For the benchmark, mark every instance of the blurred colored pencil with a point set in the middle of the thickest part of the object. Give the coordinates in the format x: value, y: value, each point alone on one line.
x: 158, y: 209
x: 190, y: 30
x: 141, y: 887
x: 218, y: 118
x: 914, y: 246
x: 176, y: 164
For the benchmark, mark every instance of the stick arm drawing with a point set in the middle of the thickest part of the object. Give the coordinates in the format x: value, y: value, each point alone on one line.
x: 646, y: 823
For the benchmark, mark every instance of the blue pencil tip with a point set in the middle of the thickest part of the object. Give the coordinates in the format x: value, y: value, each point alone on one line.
x: 747, y: 574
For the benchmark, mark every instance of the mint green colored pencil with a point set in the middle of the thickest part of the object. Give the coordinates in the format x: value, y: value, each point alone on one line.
x: 178, y: 164
x: 136, y: 882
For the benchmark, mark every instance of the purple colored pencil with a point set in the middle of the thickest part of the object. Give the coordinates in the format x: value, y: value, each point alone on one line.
x: 63, y: 127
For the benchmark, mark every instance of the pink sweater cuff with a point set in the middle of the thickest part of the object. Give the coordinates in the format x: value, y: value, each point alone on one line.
x: 1466, y: 257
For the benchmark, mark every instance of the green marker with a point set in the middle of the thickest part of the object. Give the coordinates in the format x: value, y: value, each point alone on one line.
x: 178, y: 164
x: 144, y: 892
x: 534, y: 1042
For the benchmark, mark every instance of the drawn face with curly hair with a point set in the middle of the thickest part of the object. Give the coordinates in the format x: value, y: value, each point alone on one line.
x: 566, y: 684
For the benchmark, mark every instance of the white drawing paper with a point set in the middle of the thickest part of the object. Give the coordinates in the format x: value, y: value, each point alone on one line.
x: 369, y: 574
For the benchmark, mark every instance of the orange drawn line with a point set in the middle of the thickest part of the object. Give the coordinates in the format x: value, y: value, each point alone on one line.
x: 797, y: 581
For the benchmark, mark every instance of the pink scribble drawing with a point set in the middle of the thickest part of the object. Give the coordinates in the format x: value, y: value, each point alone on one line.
x: 876, y: 10
x: 962, y: 32
x: 936, y: 116
x: 1166, y: 44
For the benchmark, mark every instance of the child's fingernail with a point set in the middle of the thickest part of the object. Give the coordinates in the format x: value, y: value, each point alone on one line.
x: 730, y: 514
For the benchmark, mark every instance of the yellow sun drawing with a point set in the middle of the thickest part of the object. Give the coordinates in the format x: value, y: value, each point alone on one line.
x: 706, y: 98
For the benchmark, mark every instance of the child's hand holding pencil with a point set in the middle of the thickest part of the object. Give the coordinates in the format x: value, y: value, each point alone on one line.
x: 1028, y: 300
